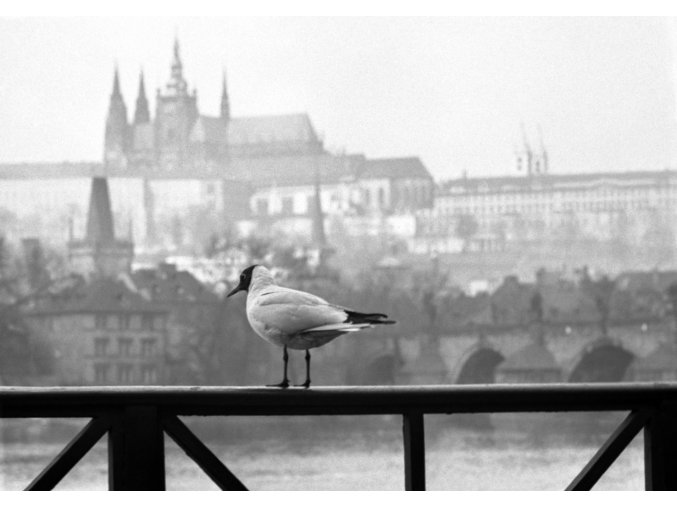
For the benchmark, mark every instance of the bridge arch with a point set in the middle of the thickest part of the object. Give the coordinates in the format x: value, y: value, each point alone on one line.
x: 605, y: 360
x: 479, y: 366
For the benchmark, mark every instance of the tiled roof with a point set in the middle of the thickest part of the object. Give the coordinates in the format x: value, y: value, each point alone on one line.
x: 395, y: 168
x: 103, y: 295
x: 271, y: 129
x: 300, y: 171
x: 210, y: 130
x: 166, y: 284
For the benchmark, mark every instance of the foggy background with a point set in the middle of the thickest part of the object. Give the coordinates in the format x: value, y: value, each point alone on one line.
x: 409, y: 193
x: 450, y: 90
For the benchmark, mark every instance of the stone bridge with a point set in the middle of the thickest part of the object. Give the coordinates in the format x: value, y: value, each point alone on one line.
x: 558, y: 353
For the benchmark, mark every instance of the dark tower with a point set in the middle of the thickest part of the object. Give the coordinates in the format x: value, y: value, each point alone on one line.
x: 141, y: 114
x: 99, y: 253
x: 117, y: 129
x: 225, y: 102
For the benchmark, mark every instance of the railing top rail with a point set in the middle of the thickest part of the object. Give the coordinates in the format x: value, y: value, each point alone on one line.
x: 189, y: 400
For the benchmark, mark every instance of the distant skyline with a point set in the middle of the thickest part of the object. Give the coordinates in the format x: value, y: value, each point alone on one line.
x: 453, y: 91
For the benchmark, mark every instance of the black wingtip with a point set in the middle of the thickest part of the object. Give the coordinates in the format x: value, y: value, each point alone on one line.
x: 367, y: 318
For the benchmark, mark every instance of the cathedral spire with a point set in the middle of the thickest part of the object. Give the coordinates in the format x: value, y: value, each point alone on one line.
x: 142, y: 114
x: 116, y: 83
x: 177, y: 84
x: 116, y: 135
x: 225, y: 101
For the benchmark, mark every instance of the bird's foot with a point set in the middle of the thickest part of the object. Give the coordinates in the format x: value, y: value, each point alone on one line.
x: 283, y: 385
x: 305, y: 385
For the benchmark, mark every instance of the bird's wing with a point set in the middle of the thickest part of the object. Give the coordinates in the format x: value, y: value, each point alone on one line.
x: 274, y: 295
x: 293, y: 311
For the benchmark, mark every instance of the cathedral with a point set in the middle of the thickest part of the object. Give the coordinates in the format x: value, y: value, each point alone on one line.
x: 181, y: 142
x: 254, y: 169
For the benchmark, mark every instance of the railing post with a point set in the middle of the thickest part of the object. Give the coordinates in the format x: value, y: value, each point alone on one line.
x: 414, y: 452
x: 660, y: 449
x: 136, y: 456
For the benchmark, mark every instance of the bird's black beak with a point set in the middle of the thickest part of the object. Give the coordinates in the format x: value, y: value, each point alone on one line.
x: 236, y: 290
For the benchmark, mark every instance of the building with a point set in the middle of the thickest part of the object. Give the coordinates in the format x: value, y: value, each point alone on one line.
x: 103, y: 333
x: 179, y: 174
x: 626, y: 207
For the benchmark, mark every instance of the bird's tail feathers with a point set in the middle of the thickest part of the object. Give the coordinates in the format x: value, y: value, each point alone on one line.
x: 334, y: 329
x: 367, y: 318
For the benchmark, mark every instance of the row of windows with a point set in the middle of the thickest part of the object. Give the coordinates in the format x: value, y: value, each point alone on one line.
x: 124, y: 373
x: 102, y: 346
x: 123, y: 321
x: 541, y: 207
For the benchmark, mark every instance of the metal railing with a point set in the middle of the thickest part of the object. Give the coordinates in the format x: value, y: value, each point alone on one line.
x: 135, y: 419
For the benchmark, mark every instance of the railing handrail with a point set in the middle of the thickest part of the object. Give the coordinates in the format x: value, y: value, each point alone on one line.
x: 363, y: 400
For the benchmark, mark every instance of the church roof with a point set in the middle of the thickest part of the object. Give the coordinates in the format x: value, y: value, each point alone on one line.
x: 395, y: 168
x: 210, y: 130
x: 300, y: 171
x: 295, y: 128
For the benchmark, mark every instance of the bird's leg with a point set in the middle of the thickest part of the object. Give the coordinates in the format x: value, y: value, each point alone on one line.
x: 306, y: 384
x: 285, y: 381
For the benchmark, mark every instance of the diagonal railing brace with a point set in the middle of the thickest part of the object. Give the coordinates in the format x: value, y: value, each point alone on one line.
x: 70, y: 455
x: 200, y: 453
x: 609, y: 451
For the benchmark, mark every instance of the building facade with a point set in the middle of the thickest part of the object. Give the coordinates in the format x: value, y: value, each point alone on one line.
x: 103, y: 333
x: 179, y: 162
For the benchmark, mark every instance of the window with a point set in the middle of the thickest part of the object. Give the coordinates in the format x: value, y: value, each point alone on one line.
x: 147, y: 322
x: 125, y: 346
x: 148, y: 374
x: 261, y: 207
x: 287, y: 205
x: 100, y: 373
x: 125, y: 373
x: 123, y: 320
x: 100, y: 346
x: 100, y: 321
x: 310, y: 205
x: 148, y: 347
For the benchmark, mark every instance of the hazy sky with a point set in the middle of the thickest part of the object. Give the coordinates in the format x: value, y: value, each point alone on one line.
x: 452, y: 91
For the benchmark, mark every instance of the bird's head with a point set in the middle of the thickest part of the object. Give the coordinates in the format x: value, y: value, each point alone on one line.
x: 245, y: 280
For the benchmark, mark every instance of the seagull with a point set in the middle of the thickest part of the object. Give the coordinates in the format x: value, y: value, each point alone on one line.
x: 296, y: 320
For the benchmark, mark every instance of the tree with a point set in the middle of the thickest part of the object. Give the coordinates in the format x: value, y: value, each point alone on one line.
x: 600, y: 291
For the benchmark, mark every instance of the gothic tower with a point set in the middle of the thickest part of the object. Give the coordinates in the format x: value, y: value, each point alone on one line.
x: 225, y: 102
x: 141, y: 114
x: 176, y: 112
x: 117, y: 130
x: 100, y: 253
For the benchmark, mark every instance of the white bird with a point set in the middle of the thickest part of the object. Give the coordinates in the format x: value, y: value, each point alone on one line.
x: 294, y: 319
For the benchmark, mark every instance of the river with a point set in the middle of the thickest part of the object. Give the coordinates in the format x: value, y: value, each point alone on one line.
x: 513, y: 452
